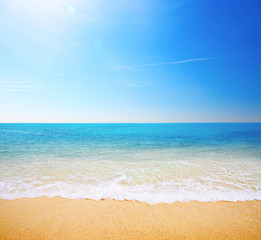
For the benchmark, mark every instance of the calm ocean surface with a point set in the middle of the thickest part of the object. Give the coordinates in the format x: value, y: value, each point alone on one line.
x: 153, y: 163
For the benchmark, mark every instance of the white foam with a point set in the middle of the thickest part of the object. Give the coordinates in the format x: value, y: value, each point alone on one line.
x: 165, y: 192
x: 151, y: 182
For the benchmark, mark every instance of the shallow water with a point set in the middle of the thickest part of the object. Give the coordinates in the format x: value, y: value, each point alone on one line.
x: 147, y: 162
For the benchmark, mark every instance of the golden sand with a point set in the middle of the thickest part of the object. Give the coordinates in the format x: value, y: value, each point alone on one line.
x: 58, y: 218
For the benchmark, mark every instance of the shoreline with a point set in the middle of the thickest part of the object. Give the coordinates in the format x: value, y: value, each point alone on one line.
x: 127, y: 200
x: 60, y: 218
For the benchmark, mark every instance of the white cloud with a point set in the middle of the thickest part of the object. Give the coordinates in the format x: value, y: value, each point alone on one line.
x: 125, y: 67
x: 134, y: 83
x: 14, y: 89
x: 16, y: 84
x: 175, y: 62
x: 11, y: 80
x: 122, y: 67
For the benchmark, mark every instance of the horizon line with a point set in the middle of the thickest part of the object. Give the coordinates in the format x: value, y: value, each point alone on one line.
x: 126, y: 122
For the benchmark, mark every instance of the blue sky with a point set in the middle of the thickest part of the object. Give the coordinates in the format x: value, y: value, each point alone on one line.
x: 130, y: 61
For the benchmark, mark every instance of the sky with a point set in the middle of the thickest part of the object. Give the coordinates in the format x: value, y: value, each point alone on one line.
x: 98, y: 61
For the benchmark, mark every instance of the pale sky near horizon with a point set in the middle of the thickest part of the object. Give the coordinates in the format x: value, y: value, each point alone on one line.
x: 130, y: 61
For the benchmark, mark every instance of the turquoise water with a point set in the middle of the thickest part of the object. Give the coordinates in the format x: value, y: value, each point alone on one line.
x: 154, y: 163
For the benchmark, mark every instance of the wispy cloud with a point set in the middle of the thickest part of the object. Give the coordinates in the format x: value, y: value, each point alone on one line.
x: 14, y: 89
x: 5, y: 80
x: 126, y: 67
x: 134, y: 83
x: 175, y: 62
x: 16, y: 85
x: 123, y: 67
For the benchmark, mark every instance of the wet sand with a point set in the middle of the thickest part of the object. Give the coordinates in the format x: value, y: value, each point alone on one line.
x: 57, y: 218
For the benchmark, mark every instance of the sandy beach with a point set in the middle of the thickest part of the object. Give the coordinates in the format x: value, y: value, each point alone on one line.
x: 57, y: 218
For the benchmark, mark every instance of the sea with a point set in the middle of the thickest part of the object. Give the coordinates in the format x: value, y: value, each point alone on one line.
x: 152, y: 163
